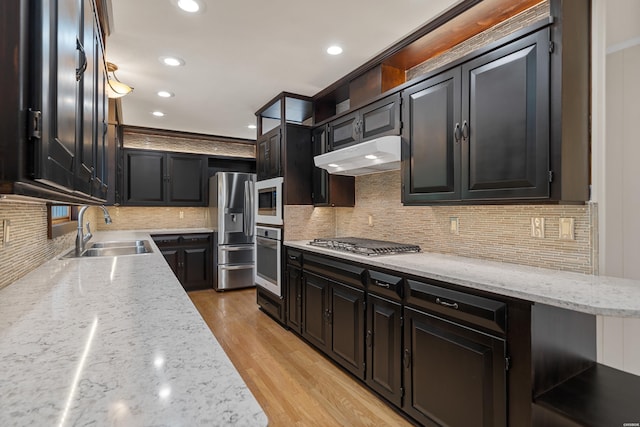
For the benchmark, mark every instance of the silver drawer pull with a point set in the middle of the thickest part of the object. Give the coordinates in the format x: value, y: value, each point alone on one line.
x: 382, y: 284
x: 453, y: 305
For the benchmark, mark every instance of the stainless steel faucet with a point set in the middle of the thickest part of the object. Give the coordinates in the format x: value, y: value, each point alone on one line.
x: 81, y: 238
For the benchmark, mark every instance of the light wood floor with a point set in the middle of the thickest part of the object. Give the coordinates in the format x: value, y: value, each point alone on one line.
x: 295, y: 384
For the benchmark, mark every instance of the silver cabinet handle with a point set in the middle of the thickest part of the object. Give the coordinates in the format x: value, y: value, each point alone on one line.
x: 382, y: 284
x: 453, y: 305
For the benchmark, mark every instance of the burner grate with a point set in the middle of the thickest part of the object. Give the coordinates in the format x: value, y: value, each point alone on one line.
x: 367, y: 247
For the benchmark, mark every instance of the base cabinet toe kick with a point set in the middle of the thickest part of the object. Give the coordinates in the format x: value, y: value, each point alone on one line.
x: 440, y: 353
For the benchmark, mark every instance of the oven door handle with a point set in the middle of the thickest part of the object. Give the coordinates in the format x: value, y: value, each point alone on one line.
x: 268, y: 243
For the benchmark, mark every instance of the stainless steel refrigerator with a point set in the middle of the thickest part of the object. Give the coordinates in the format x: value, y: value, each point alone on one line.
x: 232, y: 216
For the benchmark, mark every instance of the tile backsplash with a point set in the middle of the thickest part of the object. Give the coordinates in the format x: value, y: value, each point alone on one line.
x: 147, y: 141
x: 493, y: 232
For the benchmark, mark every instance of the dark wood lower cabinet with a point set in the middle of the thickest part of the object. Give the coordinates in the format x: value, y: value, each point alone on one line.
x: 454, y: 375
x: 190, y: 257
x: 383, y: 348
x: 294, y: 298
x: 333, y: 321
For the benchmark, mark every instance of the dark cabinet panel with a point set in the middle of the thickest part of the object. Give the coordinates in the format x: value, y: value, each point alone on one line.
x: 190, y: 256
x: 506, y: 106
x: 315, y: 311
x: 446, y: 364
x: 481, y: 130
x: 155, y: 178
x: 384, y: 348
x: 432, y: 146
x: 378, y: 119
x: 294, y: 298
x: 269, y: 155
x: 328, y: 189
x: 347, y: 327
x: 187, y: 179
x: 145, y: 179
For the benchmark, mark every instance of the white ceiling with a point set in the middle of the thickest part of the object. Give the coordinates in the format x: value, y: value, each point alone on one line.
x: 241, y: 53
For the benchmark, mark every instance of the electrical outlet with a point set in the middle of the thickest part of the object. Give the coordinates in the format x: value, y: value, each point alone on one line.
x: 181, y: 214
x: 454, y: 225
x: 566, y: 231
x: 370, y: 221
x: 537, y: 228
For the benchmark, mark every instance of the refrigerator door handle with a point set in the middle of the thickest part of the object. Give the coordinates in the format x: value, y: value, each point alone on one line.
x: 249, y: 223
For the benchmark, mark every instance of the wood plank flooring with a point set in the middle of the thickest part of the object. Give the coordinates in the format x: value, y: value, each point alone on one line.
x: 294, y: 384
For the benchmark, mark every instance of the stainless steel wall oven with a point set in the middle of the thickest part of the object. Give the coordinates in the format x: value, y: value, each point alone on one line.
x: 269, y: 259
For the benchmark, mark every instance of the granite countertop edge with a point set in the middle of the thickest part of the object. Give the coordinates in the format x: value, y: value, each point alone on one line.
x: 114, y: 341
x: 591, y: 294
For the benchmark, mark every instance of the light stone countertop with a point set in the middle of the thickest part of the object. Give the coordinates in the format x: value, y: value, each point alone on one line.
x: 600, y: 295
x: 114, y: 341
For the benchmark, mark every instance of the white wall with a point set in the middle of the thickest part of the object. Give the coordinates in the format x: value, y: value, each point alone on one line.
x: 616, y: 160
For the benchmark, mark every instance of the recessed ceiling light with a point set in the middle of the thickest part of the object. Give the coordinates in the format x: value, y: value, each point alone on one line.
x: 165, y: 94
x: 252, y: 126
x: 190, y: 6
x: 158, y: 113
x: 172, y: 61
x: 334, y: 50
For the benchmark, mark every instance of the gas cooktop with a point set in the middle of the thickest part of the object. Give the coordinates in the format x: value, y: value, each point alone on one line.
x: 362, y: 246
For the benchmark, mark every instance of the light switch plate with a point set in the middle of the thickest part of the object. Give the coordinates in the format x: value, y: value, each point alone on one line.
x: 567, y: 229
x: 6, y: 229
x: 537, y: 228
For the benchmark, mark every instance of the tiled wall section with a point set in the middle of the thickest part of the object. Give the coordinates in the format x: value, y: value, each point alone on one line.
x: 28, y: 247
x: 141, y: 218
x: 494, y: 232
x: 528, y: 17
x: 304, y: 222
x: 188, y: 145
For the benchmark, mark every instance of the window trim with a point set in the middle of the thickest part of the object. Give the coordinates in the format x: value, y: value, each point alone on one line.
x: 60, y: 228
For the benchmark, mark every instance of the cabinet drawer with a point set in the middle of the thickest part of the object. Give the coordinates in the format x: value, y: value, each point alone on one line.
x: 294, y: 257
x: 473, y: 309
x: 166, y: 240
x: 339, y: 271
x: 188, y: 239
x: 385, y: 285
x: 236, y: 254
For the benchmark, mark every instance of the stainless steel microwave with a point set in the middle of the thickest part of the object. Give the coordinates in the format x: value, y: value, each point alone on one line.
x: 269, y: 201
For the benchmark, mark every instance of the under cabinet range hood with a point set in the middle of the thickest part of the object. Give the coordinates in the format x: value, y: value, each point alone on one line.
x: 378, y: 155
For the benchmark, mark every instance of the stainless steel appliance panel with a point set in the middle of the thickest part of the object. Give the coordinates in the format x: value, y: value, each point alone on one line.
x: 230, y: 254
x: 268, y: 259
x: 232, y: 215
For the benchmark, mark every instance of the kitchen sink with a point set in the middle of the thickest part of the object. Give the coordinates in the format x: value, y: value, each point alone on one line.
x: 109, y: 249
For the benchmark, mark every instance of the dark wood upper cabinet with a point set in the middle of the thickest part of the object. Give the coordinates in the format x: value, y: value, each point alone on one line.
x: 269, y: 148
x: 156, y: 178
x: 378, y: 119
x: 505, y: 128
x: 328, y: 189
x: 480, y: 131
x: 55, y: 107
x: 431, y: 146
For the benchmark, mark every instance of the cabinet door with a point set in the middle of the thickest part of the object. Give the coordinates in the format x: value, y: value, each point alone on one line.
x: 172, y: 256
x: 294, y: 298
x: 347, y: 327
x: 88, y: 140
x: 57, y: 91
x: 454, y: 376
x: 315, y: 310
x: 101, y: 175
x: 344, y: 131
x: 320, y: 177
x: 196, y: 265
x: 380, y: 118
x: 269, y: 155
x: 145, y: 178
x: 431, y: 143
x: 187, y: 180
x: 505, y: 111
x: 384, y: 348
